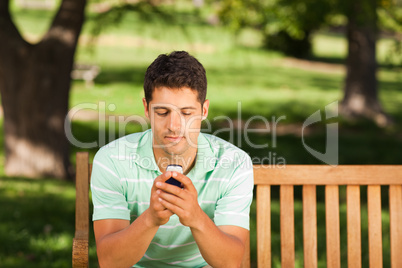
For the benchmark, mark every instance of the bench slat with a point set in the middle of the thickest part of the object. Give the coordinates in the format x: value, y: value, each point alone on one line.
x: 395, y: 215
x: 82, y: 193
x: 327, y: 175
x: 287, y: 226
x: 264, y: 225
x: 374, y: 225
x: 353, y: 226
x: 310, y: 226
x: 332, y: 226
x: 81, y: 237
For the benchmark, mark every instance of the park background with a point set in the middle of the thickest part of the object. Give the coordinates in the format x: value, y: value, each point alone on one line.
x: 230, y: 39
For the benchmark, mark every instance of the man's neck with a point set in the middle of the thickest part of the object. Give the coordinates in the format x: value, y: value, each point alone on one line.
x: 187, y: 161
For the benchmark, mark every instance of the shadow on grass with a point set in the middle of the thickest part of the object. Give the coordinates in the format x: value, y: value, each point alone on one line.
x: 342, y: 60
x: 289, y: 112
x: 134, y: 75
x: 37, y: 223
x: 333, y: 59
x: 274, y: 77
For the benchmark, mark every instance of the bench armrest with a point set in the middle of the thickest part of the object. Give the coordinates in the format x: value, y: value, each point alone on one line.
x: 80, y: 250
x: 81, y: 238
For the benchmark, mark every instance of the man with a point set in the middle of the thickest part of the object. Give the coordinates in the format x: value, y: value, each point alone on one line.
x: 142, y: 221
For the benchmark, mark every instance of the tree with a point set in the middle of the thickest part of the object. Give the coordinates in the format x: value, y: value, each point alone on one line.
x: 360, y: 89
x: 34, y: 86
x: 287, y: 24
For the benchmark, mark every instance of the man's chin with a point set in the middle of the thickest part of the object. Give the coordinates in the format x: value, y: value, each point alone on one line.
x: 174, y: 150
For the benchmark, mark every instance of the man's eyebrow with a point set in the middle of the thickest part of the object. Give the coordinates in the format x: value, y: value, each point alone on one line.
x: 160, y: 107
x: 168, y: 108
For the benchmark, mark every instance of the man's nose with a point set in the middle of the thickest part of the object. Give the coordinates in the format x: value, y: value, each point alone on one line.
x: 175, y: 121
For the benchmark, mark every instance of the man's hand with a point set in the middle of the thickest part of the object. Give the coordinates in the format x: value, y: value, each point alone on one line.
x: 184, y: 203
x: 181, y: 201
x: 159, y: 214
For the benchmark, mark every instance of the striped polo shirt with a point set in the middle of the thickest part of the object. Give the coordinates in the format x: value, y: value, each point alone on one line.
x: 122, y: 177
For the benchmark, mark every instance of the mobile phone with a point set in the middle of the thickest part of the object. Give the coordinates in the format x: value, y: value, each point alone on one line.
x: 172, y: 180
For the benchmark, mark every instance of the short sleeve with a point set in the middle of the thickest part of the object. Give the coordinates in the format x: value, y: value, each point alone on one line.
x: 234, y: 206
x: 108, y: 194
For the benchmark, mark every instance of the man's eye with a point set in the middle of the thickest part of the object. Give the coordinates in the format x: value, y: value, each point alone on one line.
x: 162, y: 114
x: 186, y: 113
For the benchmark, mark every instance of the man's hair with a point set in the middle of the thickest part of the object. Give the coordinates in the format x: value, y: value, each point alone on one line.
x: 176, y: 70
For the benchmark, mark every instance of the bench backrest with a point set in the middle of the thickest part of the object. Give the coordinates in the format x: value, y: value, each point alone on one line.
x: 308, y: 176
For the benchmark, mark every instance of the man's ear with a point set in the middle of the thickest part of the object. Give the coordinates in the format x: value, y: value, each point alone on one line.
x: 146, y: 110
x: 205, y: 108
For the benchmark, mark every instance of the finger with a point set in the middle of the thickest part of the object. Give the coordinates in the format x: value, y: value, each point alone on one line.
x: 171, y: 207
x: 169, y: 188
x: 156, y: 205
x: 161, y: 178
x: 165, y: 176
x: 177, y: 201
x: 165, y: 213
x: 185, y: 181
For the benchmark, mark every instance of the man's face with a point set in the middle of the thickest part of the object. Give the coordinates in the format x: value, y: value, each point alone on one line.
x: 175, y: 116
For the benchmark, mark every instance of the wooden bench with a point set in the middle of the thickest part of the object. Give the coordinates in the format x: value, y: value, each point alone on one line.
x: 309, y: 176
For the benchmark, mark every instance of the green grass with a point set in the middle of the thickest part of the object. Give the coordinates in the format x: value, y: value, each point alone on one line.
x: 37, y: 223
x: 37, y: 216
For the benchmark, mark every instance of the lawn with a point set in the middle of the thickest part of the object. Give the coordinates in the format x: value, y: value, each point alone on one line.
x: 37, y: 216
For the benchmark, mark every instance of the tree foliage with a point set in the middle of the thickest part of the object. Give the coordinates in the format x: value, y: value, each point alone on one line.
x: 287, y: 25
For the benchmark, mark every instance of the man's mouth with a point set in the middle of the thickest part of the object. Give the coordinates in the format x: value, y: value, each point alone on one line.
x: 175, y: 139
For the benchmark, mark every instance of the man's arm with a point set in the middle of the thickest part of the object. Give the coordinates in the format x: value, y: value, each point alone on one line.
x: 220, y: 246
x: 121, y: 244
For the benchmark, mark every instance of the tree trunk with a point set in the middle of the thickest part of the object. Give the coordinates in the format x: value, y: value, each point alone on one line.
x: 360, y: 91
x: 34, y: 86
